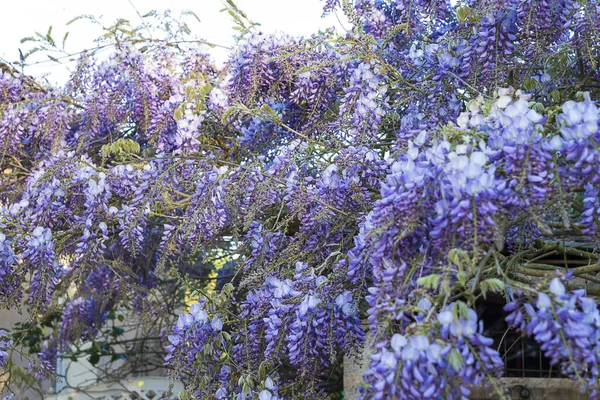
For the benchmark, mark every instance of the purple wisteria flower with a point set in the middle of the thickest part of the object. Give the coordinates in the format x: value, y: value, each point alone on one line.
x: 5, y: 344
x: 566, y: 324
x: 421, y: 366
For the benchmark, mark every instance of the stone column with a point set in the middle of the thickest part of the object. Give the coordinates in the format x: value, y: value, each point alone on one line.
x: 354, y: 370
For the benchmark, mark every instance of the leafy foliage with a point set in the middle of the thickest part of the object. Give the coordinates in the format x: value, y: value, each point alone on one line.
x: 396, y: 175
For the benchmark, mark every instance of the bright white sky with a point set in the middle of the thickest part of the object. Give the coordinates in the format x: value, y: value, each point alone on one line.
x: 22, y: 18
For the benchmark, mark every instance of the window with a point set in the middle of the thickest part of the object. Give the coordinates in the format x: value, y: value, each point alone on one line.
x: 521, y: 354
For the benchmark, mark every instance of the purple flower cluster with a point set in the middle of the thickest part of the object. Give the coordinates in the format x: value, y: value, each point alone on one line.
x: 422, y: 366
x: 29, y: 120
x: 81, y: 318
x: 591, y: 211
x: 40, y: 252
x: 579, y: 132
x: 5, y: 344
x: 579, y: 120
x: 47, y: 360
x: 197, y: 343
x: 365, y: 100
x: 292, y: 316
x: 567, y: 327
x: 264, y: 245
x: 270, y: 391
x: 586, y: 24
x: 493, y: 44
x: 548, y: 21
x: 10, y: 291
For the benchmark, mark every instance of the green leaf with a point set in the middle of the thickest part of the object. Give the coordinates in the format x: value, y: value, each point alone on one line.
x: 65, y: 39
x: 530, y: 84
x: 462, y: 278
x: 460, y: 309
x: 178, y: 114
x: 268, y: 110
x: 555, y: 96
x: 228, y: 288
x: 458, y: 257
x: 49, y: 35
x: 83, y: 16
x: 456, y: 360
x: 430, y: 281
x: 118, y: 356
x: 493, y: 285
x: 116, y: 331
x: 193, y: 14
x: 463, y: 14
x: 94, y: 358
x: 228, y: 113
x: 445, y: 288
x: 539, y: 107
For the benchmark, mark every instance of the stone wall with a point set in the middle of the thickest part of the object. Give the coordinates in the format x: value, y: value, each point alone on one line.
x: 354, y: 370
x: 533, y: 389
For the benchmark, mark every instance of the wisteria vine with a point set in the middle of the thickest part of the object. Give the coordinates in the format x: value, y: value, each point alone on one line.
x: 382, y: 183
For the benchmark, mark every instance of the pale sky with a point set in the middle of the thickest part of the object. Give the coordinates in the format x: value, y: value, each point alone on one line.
x: 22, y: 18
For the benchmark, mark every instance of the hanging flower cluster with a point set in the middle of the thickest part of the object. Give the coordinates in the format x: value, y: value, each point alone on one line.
x: 5, y: 344
x: 566, y: 325
x: 424, y: 365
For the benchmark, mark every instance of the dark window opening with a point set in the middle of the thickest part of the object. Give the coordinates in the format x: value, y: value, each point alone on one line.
x: 521, y: 354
